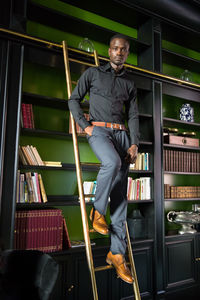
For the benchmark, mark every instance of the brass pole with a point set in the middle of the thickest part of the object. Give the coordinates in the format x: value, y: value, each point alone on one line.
x: 133, y: 270
x: 79, y: 179
x: 96, y: 58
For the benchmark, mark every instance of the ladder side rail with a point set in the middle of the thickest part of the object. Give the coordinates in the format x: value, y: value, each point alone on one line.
x: 132, y: 264
x: 79, y: 179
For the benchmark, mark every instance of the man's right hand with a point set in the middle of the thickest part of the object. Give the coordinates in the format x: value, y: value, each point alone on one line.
x: 89, y: 130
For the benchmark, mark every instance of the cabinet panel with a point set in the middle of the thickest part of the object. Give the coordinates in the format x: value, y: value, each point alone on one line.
x: 180, y: 263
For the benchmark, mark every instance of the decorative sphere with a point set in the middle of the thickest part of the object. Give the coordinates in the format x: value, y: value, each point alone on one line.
x: 186, y: 75
x: 86, y: 45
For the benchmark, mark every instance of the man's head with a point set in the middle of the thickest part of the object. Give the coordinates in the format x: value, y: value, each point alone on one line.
x: 118, y: 51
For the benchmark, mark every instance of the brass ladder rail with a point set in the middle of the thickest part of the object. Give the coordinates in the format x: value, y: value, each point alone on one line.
x: 82, y: 198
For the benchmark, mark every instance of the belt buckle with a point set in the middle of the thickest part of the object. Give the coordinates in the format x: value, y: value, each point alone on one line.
x: 120, y: 126
x: 111, y: 126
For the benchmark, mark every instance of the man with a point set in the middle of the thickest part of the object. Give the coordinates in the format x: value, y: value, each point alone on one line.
x: 112, y: 100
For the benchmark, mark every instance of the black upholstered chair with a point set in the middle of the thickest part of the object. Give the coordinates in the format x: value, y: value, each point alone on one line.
x: 27, y: 274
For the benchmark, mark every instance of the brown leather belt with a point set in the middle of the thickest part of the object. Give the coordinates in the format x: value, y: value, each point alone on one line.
x: 110, y: 125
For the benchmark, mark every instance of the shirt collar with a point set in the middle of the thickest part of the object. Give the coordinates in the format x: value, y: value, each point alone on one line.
x: 108, y: 68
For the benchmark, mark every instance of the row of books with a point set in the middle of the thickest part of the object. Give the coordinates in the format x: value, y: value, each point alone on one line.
x: 181, y: 161
x: 141, y: 163
x: 27, y: 116
x: 139, y: 188
x: 181, y: 191
x: 89, y: 188
x: 30, y: 188
x: 29, y: 155
x: 43, y: 230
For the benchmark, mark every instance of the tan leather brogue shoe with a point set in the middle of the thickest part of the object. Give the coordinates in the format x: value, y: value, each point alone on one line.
x: 118, y: 261
x: 98, y: 222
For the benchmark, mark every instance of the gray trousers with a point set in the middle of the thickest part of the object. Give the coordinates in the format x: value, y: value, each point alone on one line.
x: 110, y: 146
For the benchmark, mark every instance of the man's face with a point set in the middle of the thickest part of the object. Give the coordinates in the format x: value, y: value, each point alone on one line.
x: 118, y: 51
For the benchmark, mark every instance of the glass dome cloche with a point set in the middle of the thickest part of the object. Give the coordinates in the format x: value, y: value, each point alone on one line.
x: 86, y: 45
x: 186, y: 75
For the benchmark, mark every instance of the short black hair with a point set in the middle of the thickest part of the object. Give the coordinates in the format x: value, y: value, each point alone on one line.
x: 120, y: 36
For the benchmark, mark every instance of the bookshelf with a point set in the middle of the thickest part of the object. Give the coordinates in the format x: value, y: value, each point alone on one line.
x: 38, y: 78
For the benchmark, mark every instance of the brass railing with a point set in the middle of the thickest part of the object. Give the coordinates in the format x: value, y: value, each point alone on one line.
x: 50, y: 44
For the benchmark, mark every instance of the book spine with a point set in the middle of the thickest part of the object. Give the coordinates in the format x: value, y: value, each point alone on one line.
x: 42, y: 189
x: 38, y: 187
x: 28, y: 113
x: 32, y: 117
x: 24, y: 116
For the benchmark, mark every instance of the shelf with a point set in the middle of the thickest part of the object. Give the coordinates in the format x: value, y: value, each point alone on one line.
x: 68, y: 167
x: 44, y: 101
x: 181, y: 147
x: 182, y: 61
x: 188, y: 93
x: 67, y: 200
x: 140, y: 201
x: 180, y: 173
x: 61, y: 21
x: 60, y: 134
x: 45, y: 133
x: 183, y: 124
x: 102, y: 243
x: 93, y: 167
x: 41, y: 100
x: 182, y: 199
x: 177, y: 35
x: 128, y: 17
x: 53, y: 200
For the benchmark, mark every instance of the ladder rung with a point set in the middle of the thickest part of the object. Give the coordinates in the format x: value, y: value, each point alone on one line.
x: 107, y: 267
x: 102, y: 268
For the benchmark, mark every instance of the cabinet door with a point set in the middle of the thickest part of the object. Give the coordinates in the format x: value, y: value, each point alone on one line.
x: 81, y: 280
x: 197, y: 256
x: 180, y: 262
x: 62, y: 284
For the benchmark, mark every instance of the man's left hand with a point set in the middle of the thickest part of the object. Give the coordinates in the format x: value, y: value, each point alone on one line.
x: 132, y: 154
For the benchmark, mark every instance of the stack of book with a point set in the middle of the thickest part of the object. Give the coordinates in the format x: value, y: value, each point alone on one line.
x: 141, y: 163
x: 89, y: 188
x: 79, y: 130
x: 181, y: 191
x: 43, y: 230
x: 139, y: 188
x: 181, y: 161
x: 29, y: 155
x: 27, y: 117
x: 30, y: 188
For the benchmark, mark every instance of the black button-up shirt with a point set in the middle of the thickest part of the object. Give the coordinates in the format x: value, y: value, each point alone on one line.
x: 112, y: 99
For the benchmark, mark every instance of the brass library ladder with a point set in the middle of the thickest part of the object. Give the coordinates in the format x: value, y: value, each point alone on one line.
x: 86, y: 230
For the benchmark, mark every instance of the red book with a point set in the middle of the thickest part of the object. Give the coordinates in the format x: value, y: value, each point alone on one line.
x: 32, y: 116
x: 137, y: 188
x: 28, y: 113
x: 24, y: 116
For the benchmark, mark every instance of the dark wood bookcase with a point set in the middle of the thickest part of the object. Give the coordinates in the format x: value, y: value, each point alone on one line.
x: 159, y: 256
